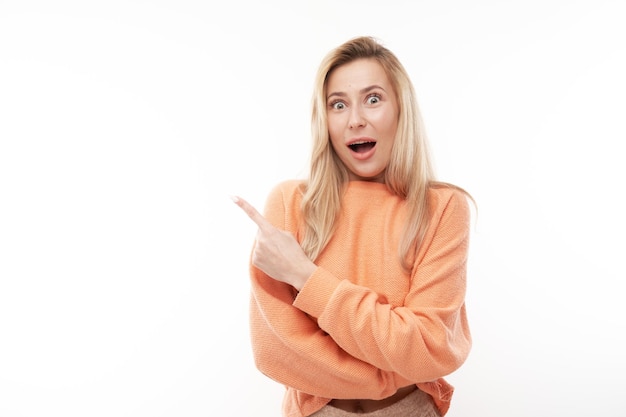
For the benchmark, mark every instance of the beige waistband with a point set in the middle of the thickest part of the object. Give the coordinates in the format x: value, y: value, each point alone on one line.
x: 417, y: 403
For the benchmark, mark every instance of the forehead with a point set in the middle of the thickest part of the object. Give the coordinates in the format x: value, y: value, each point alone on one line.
x: 356, y: 75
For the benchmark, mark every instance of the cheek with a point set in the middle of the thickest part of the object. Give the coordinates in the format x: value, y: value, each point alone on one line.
x: 334, y: 132
x: 335, y: 143
x: 391, y: 126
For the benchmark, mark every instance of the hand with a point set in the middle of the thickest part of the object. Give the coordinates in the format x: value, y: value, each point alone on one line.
x: 276, y: 252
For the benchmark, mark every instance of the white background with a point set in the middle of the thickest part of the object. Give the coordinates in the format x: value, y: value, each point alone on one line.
x: 126, y: 125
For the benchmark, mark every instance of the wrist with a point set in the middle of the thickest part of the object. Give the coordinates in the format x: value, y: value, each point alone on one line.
x: 303, y: 276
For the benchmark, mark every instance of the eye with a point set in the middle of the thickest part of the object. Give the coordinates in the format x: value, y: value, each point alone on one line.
x: 373, y: 99
x: 338, y: 105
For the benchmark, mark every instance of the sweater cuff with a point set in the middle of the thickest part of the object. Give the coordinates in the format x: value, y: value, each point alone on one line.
x: 316, y: 293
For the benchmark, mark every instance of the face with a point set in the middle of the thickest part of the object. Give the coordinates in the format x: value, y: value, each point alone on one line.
x: 362, y: 118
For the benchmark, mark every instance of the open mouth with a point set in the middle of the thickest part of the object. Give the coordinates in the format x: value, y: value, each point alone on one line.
x: 361, y: 147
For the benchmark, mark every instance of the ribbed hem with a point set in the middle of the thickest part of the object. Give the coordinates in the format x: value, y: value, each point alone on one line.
x: 316, y: 293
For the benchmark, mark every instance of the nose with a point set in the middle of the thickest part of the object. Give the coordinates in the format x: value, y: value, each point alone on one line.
x: 356, y: 118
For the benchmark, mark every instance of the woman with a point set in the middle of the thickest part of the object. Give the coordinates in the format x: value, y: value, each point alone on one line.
x: 359, y: 272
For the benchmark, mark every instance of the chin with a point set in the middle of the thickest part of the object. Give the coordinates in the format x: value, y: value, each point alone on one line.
x: 380, y: 177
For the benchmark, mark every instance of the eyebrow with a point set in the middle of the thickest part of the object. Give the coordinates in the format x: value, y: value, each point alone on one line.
x: 362, y: 91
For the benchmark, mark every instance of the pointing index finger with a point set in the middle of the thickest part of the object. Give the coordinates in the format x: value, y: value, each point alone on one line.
x: 256, y: 217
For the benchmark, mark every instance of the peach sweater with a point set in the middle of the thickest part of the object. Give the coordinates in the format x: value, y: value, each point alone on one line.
x: 362, y: 327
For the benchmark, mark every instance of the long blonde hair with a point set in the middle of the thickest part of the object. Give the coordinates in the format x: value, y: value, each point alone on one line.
x: 408, y: 175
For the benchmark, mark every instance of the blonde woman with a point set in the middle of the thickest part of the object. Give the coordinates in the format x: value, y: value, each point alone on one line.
x: 359, y: 272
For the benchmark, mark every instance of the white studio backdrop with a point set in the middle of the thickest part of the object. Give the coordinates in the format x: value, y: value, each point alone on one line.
x: 126, y: 125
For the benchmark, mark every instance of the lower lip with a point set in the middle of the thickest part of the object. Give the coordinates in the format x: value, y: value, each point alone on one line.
x: 363, y: 155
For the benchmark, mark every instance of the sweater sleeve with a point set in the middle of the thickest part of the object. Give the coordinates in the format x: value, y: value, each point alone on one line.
x: 289, y: 346
x: 427, y: 337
